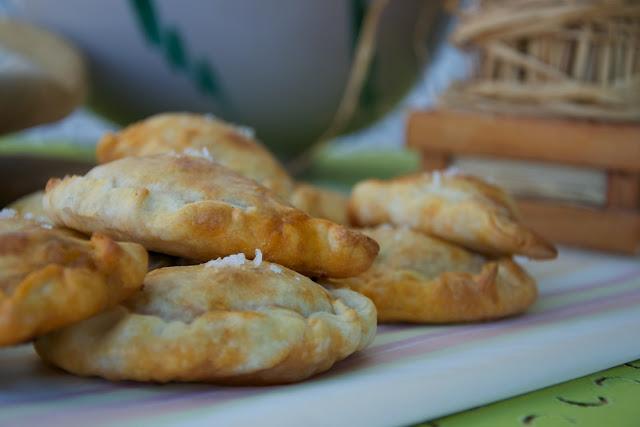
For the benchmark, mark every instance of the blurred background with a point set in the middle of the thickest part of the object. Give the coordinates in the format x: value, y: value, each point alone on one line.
x: 342, y: 90
x: 280, y: 67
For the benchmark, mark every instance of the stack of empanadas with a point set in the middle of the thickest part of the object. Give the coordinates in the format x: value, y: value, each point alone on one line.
x: 52, y: 277
x: 230, y: 298
x: 229, y: 292
x: 446, y: 245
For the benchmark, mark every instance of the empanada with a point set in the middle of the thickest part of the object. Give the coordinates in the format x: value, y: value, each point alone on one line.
x: 193, y: 208
x: 320, y: 203
x: 198, y: 135
x: 456, y: 208
x: 30, y: 207
x: 421, y: 279
x: 227, y: 321
x: 51, y: 277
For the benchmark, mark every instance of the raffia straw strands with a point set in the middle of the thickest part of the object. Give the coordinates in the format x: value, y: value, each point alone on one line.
x: 459, y: 98
x: 578, y: 58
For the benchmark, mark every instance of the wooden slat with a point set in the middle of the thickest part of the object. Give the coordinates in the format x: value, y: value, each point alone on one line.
x: 623, y: 190
x: 601, y: 145
x: 607, y: 229
x: 433, y: 160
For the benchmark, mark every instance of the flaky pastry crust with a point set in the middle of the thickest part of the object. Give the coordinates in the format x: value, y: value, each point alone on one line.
x: 226, y: 323
x: 51, y: 277
x: 198, y: 135
x: 456, y: 208
x: 420, y: 279
x: 193, y: 208
x: 320, y: 202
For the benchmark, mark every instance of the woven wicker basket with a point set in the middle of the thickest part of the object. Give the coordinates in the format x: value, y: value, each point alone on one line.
x: 577, y: 58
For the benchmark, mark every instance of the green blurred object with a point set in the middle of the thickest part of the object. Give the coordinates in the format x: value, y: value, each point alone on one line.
x: 57, y: 149
x: 606, y: 398
x: 340, y: 170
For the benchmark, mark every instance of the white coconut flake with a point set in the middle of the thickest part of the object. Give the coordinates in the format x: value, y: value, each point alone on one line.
x: 245, y: 131
x: 202, y: 153
x: 275, y: 268
x: 228, y: 261
x: 257, y: 259
x: 46, y: 226
x: 436, y: 178
x: 7, y: 213
x: 28, y: 215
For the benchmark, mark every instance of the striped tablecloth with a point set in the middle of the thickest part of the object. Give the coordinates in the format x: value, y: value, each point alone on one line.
x: 587, y: 319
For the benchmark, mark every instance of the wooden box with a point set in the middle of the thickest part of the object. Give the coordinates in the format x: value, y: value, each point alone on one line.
x: 441, y: 135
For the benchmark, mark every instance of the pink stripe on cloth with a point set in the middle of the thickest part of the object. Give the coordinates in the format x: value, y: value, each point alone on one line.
x: 135, y: 408
x: 389, y: 328
x: 629, y: 275
x: 426, y: 343
x: 620, y: 279
x: 53, y: 395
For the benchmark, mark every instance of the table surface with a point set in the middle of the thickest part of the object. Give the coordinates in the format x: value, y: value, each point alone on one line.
x: 586, y: 320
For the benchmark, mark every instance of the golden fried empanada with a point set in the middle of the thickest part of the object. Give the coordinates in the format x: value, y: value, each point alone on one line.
x: 198, y: 135
x: 30, y: 207
x: 51, y: 277
x: 193, y: 208
x: 320, y: 203
x: 421, y: 279
x: 227, y: 321
x: 456, y: 208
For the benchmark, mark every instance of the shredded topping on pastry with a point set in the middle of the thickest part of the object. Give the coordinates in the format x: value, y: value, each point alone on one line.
x: 194, y: 152
x: 231, y: 260
x: 235, y: 260
x: 275, y: 268
x: 245, y: 131
x: 44, y: 221
x: 257, y: 259
x: 7, y: 213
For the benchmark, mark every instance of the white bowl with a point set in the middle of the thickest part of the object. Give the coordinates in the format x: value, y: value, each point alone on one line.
x: 278, y: 66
